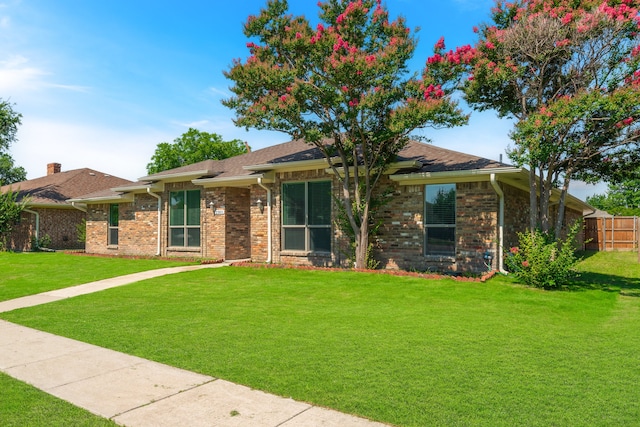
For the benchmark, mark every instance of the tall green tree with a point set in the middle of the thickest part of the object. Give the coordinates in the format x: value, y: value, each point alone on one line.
x: 9, y: 122
x: 191, y: 147
x: 568, y: 72
x: 10, y: 210
x: 342, y: 85
x: 622, y: 197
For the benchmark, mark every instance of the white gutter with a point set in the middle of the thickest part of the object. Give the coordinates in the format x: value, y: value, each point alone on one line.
x: 80, y: 208
x: 269, y: 251
x: 498, y: 190
x: 159, y: 217
x: 37, y: 215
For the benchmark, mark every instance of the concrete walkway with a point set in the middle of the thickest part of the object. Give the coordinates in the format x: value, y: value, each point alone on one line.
x: 137, y: 392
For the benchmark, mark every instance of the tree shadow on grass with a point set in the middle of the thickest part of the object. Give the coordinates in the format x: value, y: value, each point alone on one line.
x: 606, y: 282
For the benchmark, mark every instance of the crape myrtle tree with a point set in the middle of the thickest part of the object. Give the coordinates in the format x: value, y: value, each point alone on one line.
x: 567, y: 72
x: 191, y: 147
x: 343, y: 86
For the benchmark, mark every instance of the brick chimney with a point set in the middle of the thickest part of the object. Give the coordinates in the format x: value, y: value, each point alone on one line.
x: 53, y: 168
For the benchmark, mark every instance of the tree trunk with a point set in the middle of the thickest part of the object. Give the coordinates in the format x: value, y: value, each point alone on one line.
x: 361, y: 246
x: 533, y: 199
x: 560, y: 216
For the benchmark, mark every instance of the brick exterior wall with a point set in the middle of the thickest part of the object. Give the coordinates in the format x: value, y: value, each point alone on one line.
x: 259, y: 224
x: 232, y: 226
x: 97, y: 226
x: 237, y: 224
x: 302, y: 257
x: 400, y: 241
x: 59, y: 224
x: 20, y: 238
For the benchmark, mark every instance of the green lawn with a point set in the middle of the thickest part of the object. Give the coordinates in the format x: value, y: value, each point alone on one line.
x: 32, y: 273
x: 401, y: 350
x: 22, y: 405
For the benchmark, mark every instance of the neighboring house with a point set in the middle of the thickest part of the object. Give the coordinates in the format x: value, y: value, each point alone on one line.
x: 48, y: 213
x: 444, y: 211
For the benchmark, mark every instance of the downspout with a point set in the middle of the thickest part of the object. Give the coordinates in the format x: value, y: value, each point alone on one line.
x: 159, y: 217
x: 500, y: 193
x: 268, y: 190
x: 37, y: 215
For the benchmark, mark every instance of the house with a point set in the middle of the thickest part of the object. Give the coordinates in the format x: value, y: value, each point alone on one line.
x: 48, y: 213
x: 444, y: 210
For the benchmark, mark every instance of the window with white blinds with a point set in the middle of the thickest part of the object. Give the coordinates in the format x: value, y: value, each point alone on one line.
x: 440, y: 220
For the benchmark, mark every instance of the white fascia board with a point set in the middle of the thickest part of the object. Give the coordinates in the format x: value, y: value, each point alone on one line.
x: 176, y: 177
x: 235, y: 181
x: 122, y: 198
x: 299, y: 165
x: 142, y: 188
x: 452, y: 176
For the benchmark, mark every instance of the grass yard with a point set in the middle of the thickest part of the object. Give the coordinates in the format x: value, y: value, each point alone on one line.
x: 22, y: 405
x: 401, y: 350
x: 31, y: 273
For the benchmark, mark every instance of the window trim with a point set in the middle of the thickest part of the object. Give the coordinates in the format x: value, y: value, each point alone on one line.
x: 113, y: 226
x: 185, y: 227
x: 427, y: 225
x: 306, y: 226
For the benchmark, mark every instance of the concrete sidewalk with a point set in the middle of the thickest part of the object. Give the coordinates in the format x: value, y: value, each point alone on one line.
x: 137, y: 392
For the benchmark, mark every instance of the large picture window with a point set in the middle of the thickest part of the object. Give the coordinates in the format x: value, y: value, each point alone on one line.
x: 306, y: 216
x: 114, y: 217
x: 440, y: 220
x: 184, y: 218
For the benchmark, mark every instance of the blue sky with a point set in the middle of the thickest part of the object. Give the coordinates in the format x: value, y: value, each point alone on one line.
x: 101, y: 83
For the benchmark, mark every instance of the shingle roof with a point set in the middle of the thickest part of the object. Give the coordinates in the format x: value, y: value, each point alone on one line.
x: 433, y: 159
x: 437, y: 159
x: 57, y: 188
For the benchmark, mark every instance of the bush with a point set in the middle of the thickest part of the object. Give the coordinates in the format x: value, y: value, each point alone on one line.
x: 541, y: 261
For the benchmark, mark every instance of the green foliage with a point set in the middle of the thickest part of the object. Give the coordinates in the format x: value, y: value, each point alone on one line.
x: 191, y: 147
x: 9, y: 122
x: 81, y: 230
x: 344, y: 225
x: 568, y: 73
x: 621, y: 198
x: 40, y: 243
x: 10, y: 211
x: 543, y: 262
x: 9, y: 173
x: 343, y: 86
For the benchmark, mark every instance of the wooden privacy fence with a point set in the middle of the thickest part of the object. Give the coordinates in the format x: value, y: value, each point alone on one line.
x: 614, y: 233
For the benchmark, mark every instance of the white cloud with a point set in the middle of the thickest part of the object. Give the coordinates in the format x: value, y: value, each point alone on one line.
x: 120, y: 152
x: 16, y: 74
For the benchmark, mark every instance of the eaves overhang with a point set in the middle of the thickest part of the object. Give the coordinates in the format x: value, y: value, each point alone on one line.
x: 299, y: 165
x: 140, y: 188
x: 179, y: 176
x: 116, y: 198
x: 62, y: 205
x: 416, y: 178
x: 236, y: 181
